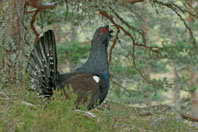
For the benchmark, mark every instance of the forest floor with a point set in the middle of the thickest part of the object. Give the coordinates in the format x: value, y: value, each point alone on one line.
x: 22, y: 111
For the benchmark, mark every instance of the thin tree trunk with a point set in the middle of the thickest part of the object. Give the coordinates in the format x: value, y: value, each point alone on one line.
x: 176, y: 76
x: 193, y: 94
x: 176, y: 89
x: 74, y: 33
x: 147, y: 65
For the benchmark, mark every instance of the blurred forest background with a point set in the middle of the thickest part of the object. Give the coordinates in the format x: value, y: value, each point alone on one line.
x: 153, y: 56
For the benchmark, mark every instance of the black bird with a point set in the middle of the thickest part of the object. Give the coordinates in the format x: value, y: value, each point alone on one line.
x: 89, y: 80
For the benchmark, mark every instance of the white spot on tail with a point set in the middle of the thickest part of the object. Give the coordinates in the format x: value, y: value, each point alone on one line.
x: 96, y: 78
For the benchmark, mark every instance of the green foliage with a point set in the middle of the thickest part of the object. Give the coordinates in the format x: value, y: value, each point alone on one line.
x: 56, y: 115
x: 72, y: 52
x: 59, y: 114
x: 119, y: 68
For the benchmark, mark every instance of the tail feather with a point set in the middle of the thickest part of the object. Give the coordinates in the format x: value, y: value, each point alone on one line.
x: 42, y: 65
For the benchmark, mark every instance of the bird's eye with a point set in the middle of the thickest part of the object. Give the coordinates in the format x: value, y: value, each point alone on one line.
x: 102, y: 30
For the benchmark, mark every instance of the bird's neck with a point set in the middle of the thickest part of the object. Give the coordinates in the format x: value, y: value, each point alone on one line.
x: 97, y: 61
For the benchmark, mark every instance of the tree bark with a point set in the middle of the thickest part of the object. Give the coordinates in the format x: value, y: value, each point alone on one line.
x: 13, y: 39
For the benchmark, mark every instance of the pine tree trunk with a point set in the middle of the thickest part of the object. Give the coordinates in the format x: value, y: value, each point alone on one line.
x: 176, y: 90
x: 74, y: 36
x: 147, y: 65
x: 193, y: 93
x: 176, y: 76
x: 192, y: 79
x: 12, y: 41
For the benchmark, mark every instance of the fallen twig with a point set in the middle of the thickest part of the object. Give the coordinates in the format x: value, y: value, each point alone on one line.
x: 188, y: 116
x: 3, y: 95
x: 87, y: 114
x: 28, y: 104
x: 164, y: 107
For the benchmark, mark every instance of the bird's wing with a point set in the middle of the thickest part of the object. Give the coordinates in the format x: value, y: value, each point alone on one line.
x: 86, y: 86
x: 42, y: 65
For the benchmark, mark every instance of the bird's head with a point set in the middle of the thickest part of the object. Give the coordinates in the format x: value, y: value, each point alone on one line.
x: 102, y: 35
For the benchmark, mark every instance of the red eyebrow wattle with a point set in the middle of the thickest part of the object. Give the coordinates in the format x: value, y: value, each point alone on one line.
x: 102, y: 30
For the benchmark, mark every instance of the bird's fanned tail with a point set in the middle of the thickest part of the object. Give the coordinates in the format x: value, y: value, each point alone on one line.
x: 42, y: 65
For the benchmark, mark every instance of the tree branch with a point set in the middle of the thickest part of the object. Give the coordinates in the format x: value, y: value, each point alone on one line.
x: 189, y: 117
x: 174, y: 8
x: 36, y: 4
x: 33, y: 27
x: 132, y: 1
x: 40, y: 7
x: 119, y: 85
x: 105, y: 14
x: 126, y: 23
x: 114, y: 43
